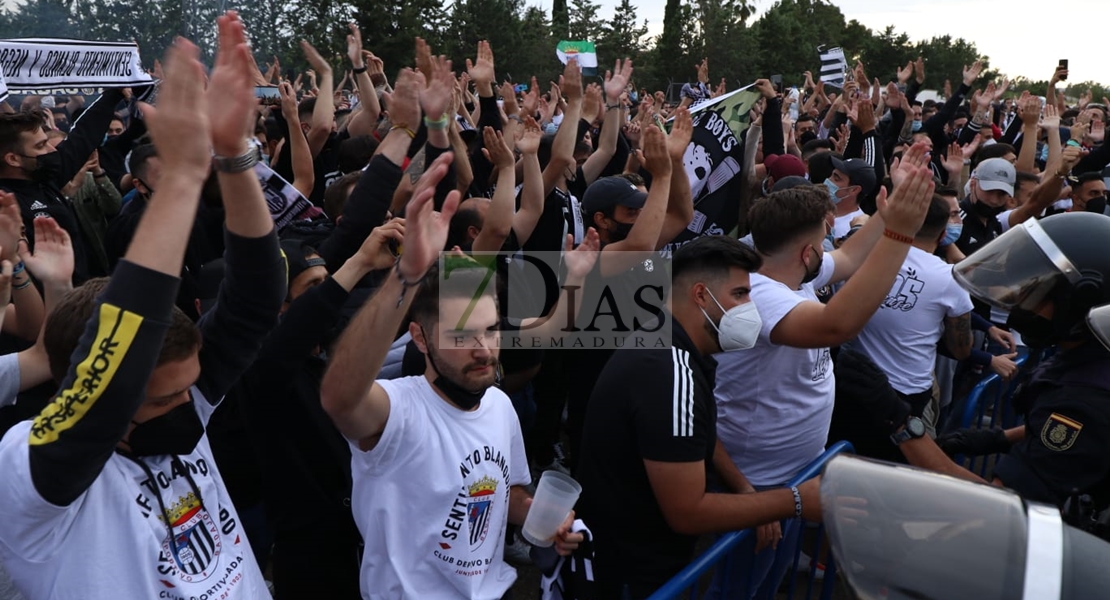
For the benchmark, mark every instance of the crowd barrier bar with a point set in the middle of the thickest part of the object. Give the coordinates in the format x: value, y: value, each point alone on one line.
x: 687, y: 579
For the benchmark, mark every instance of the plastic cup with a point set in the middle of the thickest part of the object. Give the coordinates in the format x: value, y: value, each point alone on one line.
x: 554, y: 499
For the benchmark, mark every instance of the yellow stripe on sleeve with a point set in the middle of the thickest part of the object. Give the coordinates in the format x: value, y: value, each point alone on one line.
x: 115, y: 333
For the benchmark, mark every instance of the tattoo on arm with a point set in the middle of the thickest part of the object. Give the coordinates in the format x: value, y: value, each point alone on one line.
x: 957, y: 335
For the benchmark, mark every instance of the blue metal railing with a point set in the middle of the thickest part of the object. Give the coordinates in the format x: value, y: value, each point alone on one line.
x: 720, y: 552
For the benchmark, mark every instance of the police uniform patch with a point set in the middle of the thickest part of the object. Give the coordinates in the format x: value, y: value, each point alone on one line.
x: 1059, y: 432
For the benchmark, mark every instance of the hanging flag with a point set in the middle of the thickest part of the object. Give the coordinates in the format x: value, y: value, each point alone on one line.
x: 833, y: 66
x: 713, y: 162
x: 583, y: 51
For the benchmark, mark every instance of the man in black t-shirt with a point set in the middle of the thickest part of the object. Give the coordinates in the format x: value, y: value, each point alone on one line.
x: 650, y: 433
x: 992, y: 187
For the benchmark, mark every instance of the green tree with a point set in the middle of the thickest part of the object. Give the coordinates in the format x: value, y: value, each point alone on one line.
x: 670, y: 56
x: 789, y: 34
x: 945, y: 59
x: 585, y: 20
x: 536, y: 53
x: 560, y: 20
x: 621, y: 36
x: 496, y: 21
x: 722, y: 36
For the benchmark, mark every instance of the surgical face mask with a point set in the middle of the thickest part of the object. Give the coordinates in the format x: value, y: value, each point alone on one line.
x: 916, y: 126
x: 265, y: 159
x: 551, y: 129
x: 176, y: 432
x: 739, y: 326
x: 952, y: 233
x: 833, y: 189
x: 812, y: 272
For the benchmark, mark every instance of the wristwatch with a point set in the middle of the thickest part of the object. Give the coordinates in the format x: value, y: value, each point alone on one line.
x: 913, y: 429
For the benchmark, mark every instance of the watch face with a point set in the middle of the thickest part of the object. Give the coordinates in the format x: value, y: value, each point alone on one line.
x: 915, y: 426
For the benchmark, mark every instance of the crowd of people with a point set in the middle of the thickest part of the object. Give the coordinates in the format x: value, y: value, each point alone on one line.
x: 228, y: 323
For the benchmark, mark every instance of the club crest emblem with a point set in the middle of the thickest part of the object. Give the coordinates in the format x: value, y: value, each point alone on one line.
x: 195, y: 544
x: 1059, y: 432
x: 481, y: 495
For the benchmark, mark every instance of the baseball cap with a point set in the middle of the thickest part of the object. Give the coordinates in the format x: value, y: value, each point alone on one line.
x: 996, y: 174
x: 789, y: 182
x: 295, y: 253
x: 784, y: 165
x: 859, y: 173
x: 607, y: 193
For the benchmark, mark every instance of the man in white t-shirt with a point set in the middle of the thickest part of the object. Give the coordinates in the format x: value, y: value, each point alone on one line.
x: 775, y: 400
x: 901, y: 338
x: 112, y: 491
x: 438, y: 460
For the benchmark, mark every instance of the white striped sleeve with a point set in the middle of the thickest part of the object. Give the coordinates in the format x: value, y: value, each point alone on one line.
x: 683, y: 394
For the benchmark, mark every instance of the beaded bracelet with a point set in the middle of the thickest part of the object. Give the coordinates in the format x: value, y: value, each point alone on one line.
x: 898, y: 237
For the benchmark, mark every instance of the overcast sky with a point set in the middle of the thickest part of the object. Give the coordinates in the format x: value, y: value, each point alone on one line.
x: 1012, y: 33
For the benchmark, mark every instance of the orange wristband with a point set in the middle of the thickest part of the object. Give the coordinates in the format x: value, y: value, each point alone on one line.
x: 898, y: 237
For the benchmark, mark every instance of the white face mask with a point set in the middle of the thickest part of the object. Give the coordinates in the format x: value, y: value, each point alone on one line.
x: 739, y: 327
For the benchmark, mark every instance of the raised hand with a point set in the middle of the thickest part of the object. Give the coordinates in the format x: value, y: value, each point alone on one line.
x: 1071, y: 157
x: 375, y: 253
x: 1098, y: 132
x: 496, y: 150
x: 52, y: 260
x: 1051, y: 118
x: 617, y: 80
x: 354, y: 46
x: 865, y: 118
x: 682, y: 131
x: 914, y: 159
x: 481, y: 70
x: 319, y: 65
x: 580, y: 261
x: 180, y: 126
x: 424, y: 58
x: 1058, y: 75
x: 591, y: 104
x: 1029, y: 108
x: 435, y: 97
x: 508, y: 99
x: 703, y: 71
x: 232, y: 105
x: 570, y: 83
x: 919, y: 70
x: 404, y: 106
x: 11, y: 226
x: 954, y: 161
x: 972, y: 73
x: 532, y: 99
x: 656, y: 158
x: 1005, y: 85
x: 904, y: 73
x: 893, y: 96
x: 766, y: 88
x: 905, y: 210
x: 528, y: 142
x: 425, y: 228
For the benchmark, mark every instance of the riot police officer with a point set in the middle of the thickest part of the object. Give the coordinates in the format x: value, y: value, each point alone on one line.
x: 1050, y: 274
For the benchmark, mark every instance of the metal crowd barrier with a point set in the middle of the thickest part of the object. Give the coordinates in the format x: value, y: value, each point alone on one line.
x: 721, y: 554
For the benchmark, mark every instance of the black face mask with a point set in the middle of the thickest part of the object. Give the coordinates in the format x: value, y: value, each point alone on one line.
x: 1097, y: 205
x: 619, y: 231
x: 811, y: 274
x: 806, y: 137
x: 987, y: 211
x: 48, y: 167
x: 176, y: 432
x: 1035, y: 330
x: 457, y: 394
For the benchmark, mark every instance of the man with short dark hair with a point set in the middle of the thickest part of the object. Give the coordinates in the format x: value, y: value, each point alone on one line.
x: 851, y: 181
x: 35, y: 172
x: 1088, y: 193
x: 650, y: 433
x: 440, y: 453
x: 111, y: 491
x: 775, y: 399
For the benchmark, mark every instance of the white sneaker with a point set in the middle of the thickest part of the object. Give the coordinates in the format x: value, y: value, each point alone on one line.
x: 518, y: 551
